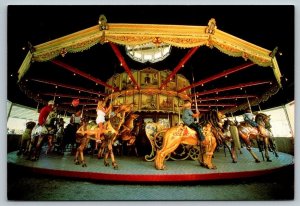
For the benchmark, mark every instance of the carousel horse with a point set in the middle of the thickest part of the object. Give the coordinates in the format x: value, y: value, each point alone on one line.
x: 229, y: 138
x: 185, y: 135
x: 25, y: 140
x: 262, y: 135
x: 69, y: 138
x: 42, y: 133
x: 142, y: 143
x: 113, y: 126
x: 86, y: 132
x: 129, y: 131
x: 89, y: 131
x: 153, y: 132
x: 126, y: 135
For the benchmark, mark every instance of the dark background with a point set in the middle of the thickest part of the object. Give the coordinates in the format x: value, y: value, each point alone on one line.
x: 265, y: 26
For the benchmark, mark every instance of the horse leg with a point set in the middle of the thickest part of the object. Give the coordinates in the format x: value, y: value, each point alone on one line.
x: 212, y: 148
x: 76, y: 160
x: 82, y: 148
x: 83, y: 164
x: 266, y: 142
x: 27, y: 144
x: 161, y: 155
x: 100, y: 151
x: 273, y: 147
x: 80, y: 154
x: 231, y: 150
x: 252, y: 153
x: 106, y: 153
x: 248, y: 146
x: 31, y: 147
x: 112, y: 156
x: 208, y: 149
x: 233, y: 153
x: 38, y: 148
x: 106, y: 163
x: 50, y: 144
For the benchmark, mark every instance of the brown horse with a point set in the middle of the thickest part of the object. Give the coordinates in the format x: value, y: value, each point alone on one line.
x: 86, y: 132
x: 128, y: 134
x: 228, y: 137
x: 111, y: 129
x: 183, y: 134
x: 262, y: 135
x: 125, y: 134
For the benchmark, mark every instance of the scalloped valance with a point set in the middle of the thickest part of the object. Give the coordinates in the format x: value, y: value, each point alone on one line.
x: 133, y: 34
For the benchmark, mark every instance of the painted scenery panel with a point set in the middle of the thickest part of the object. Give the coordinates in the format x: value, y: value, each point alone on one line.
x: 171, y: 84
x: 182, y: 83
x: 118, y: 101
x: 107, y: 90
x: 148, y: 102
x: 116, y: 81
x: 133, y: 99
x: 149, y: 78
x: 178, y: 104
x: 126, y: 81
x: 165, y: 103
x: 165, y: 122
x: 175, y: 119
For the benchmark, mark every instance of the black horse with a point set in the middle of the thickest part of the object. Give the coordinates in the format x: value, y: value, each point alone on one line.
x: 68, y: 139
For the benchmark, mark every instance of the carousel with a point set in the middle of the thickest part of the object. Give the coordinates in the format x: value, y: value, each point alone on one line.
x: 147, y: 91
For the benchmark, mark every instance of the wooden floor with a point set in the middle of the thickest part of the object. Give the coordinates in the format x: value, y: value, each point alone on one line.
x: 135, y: 169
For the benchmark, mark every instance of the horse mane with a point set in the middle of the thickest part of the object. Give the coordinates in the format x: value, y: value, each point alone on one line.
x: 226, y: 124
x: 52, y: 116
x: 210, y: 117
x: 260, y: 116
x: 263, y: 119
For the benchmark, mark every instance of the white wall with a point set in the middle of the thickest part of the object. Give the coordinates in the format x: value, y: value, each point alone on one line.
x: 290, y: 108
x: 279, y: 122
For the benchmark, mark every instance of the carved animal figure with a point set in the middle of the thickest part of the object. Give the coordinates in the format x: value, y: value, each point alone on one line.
x: 183, y: 134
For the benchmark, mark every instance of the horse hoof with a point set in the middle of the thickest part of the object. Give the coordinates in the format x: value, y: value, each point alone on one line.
x: 84, y: 165
x: 213, y: 167
x: 234, y: 161
x: 106, y: 164
x: 76, y: 162
x: 160, y: 168
x: 268, y: 160
x: 201, y: 164
x: 257, y: 161
x: 116, y: 167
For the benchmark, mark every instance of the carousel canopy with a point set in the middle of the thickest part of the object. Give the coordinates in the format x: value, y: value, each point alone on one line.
x: 225, y: 70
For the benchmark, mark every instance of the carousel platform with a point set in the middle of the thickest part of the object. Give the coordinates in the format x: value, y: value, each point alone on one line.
x: 136, y: 170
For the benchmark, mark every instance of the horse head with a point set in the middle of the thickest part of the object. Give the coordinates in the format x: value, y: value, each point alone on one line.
x: 215, y: 118
x: 51, y: 118
x: 263, y: 120
x: 125, y: 108
x: 133, y: 116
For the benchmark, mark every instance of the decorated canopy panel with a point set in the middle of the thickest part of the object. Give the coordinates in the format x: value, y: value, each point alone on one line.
x: 250, y: 76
